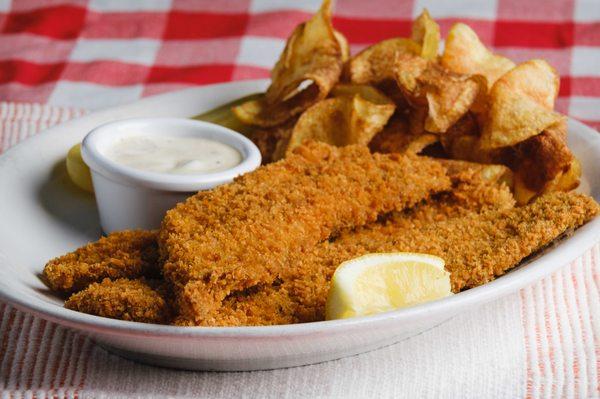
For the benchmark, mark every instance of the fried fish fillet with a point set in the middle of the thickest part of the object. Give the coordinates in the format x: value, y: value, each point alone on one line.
x: 475, y: 188
x: 125, y: 254
x: 244, y: 234
x: 476, y: 247
x: 146, y: 301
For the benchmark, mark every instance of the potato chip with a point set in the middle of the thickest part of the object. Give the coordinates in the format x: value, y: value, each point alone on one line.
x: 568, y: 180
x: 408, y: 68
x: 344, y: 46
x: 520, y: 105
x: 462, y: 138
x: 464, y: 53
x: 375, y: 64
x: 397, y: 138
x: 390, y: 89
x: 367, y: 92
x: 523, y: 195
x: 564, y: 181
x: 426, y: 32
x: 447, y: 95
x: 543, y: 163
x: 416, y: 120
x: 492, y: 173
x: 312, y: 57
x: 272, y: 141
x: 341, y: 121
x: 497, y: 173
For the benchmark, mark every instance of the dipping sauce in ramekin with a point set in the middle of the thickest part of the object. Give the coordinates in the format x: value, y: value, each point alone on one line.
x: 175, y: 155
x: 142, y: 167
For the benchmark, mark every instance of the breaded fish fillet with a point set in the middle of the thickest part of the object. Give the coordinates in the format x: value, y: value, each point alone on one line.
x: 476, y: 247
x: 475, y: 188
x: 128, y: 254
x: 244, y: 234
x: 146, y: 301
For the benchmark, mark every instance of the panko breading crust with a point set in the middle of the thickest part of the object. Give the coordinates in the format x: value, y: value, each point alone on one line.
x: 125, y: 254
x: 473, y: 191
x: 244, y: 234
x: 145, y: 301
x: 476, y: 248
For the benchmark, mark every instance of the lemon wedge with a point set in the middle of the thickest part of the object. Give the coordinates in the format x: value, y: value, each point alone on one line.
x: 78, y: 171
x: 382, y: 282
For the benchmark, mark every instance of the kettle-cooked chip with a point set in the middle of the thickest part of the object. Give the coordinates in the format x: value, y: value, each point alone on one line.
x: 521, y: 105
x: 375, y: 64
x: 426, y: 32
x: 367, y: 92
x: 447, y: 95
x: 272, y: 141
x: 312, y: 56
x: 396, y: 137
x: 341, y: 121
x: 344, y: 46
x: 568, y: 180
x: 464, y: 53
x: 543, y: 163
x: 461, y: 140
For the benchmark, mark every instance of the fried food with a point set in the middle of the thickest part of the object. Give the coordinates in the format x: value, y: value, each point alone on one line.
x: 426, y: 32
x: 262, y: 250
x: 476, y: 248
x: 125, y: 254
x: 243, y: 234
x: 341, y: 121
x: 540, y: 162
x: 521, y: 105
x: 445, y: 95
x: 375, y: 64
x: 397, y: 137
x: 139, y: 300
x: 313, y: 53
x: 474, y: 189
x: 464, y: 53
x: 272, y: 142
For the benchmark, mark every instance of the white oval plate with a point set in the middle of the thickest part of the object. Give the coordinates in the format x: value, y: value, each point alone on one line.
x: 42, y: 216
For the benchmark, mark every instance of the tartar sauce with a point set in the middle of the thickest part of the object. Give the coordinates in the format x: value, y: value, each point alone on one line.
x: 173, y: 154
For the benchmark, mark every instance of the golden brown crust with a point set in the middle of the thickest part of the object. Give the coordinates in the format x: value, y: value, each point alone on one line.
x: 539, y: 159
x: 476, y: 247
x: 243, y: 234
x: 397, y: 137
x: 132, y: 300
x: 300, y: 292
x: 128, y: 254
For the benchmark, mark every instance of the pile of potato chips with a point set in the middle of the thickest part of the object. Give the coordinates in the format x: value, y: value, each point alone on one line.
x: 400, y: 95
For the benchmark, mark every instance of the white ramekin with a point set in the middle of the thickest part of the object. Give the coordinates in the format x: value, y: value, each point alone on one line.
x: 129, y: 198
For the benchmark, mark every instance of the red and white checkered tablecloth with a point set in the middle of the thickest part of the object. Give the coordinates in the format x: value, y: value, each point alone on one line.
x: 97, y: 53
x: 87, y: 54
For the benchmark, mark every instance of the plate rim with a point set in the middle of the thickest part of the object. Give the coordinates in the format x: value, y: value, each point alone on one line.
x: 564, y: 252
